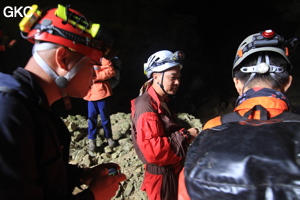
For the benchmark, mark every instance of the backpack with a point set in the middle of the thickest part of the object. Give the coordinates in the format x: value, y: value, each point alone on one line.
x: 114, y: 81
x: 246, y: 159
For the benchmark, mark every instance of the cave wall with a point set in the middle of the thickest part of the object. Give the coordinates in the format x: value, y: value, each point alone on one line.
x: 209, y: 32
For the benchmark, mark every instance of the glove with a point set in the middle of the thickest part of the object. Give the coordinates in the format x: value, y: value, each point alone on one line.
x: 103, y: 186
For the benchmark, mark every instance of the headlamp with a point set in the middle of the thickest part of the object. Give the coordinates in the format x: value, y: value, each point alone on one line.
x: 83, y: 24
x: 32, y: 16
x: 178, y: 56
x: 79, y: 21
x: 269, y: 38
x: 101, y: 41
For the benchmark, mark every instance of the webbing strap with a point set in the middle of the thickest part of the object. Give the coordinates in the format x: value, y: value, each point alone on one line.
x: 7, y: 90
x: 263, y: 112
x: 235, y: 116
x: 12, y: 92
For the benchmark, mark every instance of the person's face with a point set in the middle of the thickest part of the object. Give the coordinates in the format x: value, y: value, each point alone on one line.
x: 81, y: 83
x: 170, y: 80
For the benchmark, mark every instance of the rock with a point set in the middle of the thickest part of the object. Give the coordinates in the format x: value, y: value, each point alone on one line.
x: 125, y: 141
x: 79, y: 155
x: 78, y: 135
x: 107, y: 149
x: 72, y: 126
x: 86, y: 161
x: 117, y: 135
x: 189, y: 121
x: 129, y: 189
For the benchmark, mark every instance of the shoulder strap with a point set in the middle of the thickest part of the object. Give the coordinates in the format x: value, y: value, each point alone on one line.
x: 263, y: 112
x: 7, y: 90
x: 288, y: 116
x: 12, y: 92
x: 235, y: 116
x: 231, y: 117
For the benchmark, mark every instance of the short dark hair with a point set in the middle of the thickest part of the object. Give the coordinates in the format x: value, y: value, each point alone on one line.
x: 278, y: 80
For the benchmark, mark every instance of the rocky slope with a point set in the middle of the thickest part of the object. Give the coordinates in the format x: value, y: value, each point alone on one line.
x: 123, y: 154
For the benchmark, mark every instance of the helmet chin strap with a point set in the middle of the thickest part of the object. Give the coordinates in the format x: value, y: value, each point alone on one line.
x: 61, y: 81
x: 161, y: 84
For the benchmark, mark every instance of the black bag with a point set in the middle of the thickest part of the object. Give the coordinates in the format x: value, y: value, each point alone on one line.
x: 246, y: 160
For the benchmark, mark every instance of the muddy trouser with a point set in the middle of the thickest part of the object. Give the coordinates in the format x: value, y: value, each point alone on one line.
x: 161, y: 182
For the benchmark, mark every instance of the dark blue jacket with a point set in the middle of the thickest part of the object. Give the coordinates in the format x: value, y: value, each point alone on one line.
x: 34, y: 143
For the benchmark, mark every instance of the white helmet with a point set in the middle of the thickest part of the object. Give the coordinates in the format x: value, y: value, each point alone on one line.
x: 162, y: 60
x: 267, y: 40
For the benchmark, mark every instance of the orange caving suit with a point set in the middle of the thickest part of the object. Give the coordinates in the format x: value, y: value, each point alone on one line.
x: 160, y: 144
x: 101, y: 88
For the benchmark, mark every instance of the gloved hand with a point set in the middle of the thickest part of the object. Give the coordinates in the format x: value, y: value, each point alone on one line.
x: 103, y: 186
x: 193, y: 132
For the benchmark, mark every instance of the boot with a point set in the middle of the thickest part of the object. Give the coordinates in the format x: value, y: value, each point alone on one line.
x: 92, y: 145
x: 111, y: 142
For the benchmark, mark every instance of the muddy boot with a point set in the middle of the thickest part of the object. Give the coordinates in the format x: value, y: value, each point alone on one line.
x: 111, y: 143
x: 92, y: 145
